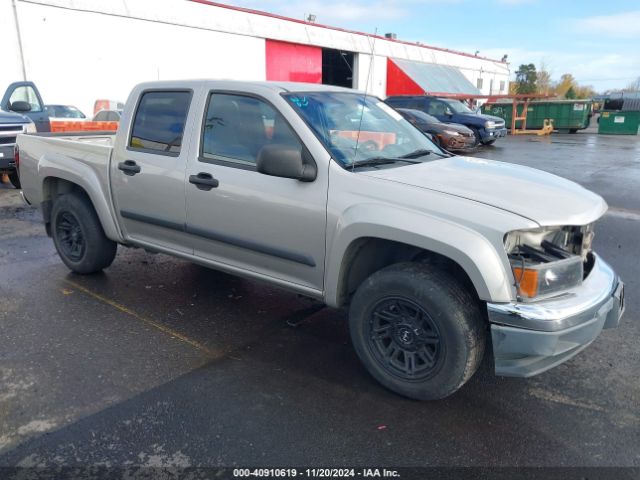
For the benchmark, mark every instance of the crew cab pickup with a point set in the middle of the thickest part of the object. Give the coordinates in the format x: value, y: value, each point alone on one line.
x: 331, y: 193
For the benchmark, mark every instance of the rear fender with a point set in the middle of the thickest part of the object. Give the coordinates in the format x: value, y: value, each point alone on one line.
x: 62, y: 167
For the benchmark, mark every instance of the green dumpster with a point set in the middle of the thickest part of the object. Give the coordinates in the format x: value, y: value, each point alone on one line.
x: 567, y: 115
x: 619, y: 123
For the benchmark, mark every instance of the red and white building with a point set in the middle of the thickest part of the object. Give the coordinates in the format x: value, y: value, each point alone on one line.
x: 80, y: 50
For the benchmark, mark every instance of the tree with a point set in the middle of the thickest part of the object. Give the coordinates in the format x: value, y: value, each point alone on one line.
x: 526, y: 77
x: 585, y: 91
x: 566, y: 82
x: 571, y: 93
x: 543, y: 81
x: 633, y: 86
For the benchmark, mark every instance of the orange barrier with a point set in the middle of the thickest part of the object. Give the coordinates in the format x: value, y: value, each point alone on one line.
x: 71, y: 126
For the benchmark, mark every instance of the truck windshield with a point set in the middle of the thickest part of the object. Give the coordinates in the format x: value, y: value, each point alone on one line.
x: 355, y: 129
x: 458, y: 107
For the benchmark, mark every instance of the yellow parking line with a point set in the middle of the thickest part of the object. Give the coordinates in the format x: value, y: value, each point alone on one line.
x: 149, y: 322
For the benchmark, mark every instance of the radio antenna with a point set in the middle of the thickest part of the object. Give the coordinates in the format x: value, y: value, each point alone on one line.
x: 364, y: 98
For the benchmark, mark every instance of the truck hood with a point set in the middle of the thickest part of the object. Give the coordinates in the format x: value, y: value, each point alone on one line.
x: 8, y: 117
x: 477, y: 118
x: 533, y: 194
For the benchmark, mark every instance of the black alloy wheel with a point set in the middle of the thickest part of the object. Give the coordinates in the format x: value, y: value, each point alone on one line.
x: 404, y: 339
x: 71, y: 238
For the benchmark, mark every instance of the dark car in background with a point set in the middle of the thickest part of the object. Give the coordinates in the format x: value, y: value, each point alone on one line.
x: 21, y: 111
x: 446, y: 135
x: 24, y: 98
x: 486, y: 128
x: 11, y: 125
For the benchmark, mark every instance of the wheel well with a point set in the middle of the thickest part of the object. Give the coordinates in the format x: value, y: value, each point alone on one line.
x: 53, y: 187
x: 366, y: 256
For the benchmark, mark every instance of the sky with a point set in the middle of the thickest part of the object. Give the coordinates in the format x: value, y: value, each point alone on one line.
x: 598, y: 42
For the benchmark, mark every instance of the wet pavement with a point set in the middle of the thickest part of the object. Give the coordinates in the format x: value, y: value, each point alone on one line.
x: 158, y: 362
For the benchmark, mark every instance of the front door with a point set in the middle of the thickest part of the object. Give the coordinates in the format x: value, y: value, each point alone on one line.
x: 149, y: 177
x: 27, y: 92
x: 249, y: 221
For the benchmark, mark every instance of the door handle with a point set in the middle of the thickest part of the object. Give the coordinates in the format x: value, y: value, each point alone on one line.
x: 204, y: 181
x: 129, y: 167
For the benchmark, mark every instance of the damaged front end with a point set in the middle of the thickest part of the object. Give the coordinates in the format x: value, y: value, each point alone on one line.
x: 549, y: 261
x: 565, y: 296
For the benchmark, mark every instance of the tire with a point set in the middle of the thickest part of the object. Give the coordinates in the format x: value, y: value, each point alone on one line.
x: 78, y: 235
x: 14, y: 179
x: 433, y: 325
x: 476, y: 134
x: 489, y: 142
x: 573, y: 130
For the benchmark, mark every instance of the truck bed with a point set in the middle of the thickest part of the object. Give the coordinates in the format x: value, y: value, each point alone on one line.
x: 80, y: 158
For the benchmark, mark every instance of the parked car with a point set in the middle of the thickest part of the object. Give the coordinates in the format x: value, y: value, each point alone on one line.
x: 276, y: 182
x: 486, y: 128
x: 108, y: 116
x: 64, y: 112
x: 24, y: 98
x: 446, y: 135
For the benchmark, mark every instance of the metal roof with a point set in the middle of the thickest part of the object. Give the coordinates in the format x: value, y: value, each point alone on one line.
x: 435, y: 78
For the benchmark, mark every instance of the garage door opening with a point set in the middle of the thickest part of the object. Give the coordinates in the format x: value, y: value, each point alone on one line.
x: 337, y: 67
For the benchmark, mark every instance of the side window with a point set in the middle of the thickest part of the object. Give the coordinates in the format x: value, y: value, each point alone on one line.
x: 159, y: 121
x: 436, y: 108
x: 236, y: 127
x: 26, y: 94
x: 416, y: 103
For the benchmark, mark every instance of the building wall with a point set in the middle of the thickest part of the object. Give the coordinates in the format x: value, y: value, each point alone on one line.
x: 116, y: 44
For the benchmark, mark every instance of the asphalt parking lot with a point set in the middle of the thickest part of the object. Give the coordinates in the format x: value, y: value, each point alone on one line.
x: 158, y: 362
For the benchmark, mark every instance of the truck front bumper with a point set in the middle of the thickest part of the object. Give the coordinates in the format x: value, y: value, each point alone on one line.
x: 493, y: 134
x: 7, y: 160
x: 529, y: 338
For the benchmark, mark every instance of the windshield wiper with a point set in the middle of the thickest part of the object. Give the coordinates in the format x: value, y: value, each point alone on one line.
x: 369, y: 162
x: 423, y: 152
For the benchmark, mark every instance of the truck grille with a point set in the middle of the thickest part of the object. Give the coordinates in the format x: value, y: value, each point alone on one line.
x: 8, y: 133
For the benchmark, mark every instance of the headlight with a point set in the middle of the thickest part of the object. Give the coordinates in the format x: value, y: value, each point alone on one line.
x: 489, y: 124
x: 451, y: 132
x: 541, y: 279
x: 30, y: 128
x: 548, y: 261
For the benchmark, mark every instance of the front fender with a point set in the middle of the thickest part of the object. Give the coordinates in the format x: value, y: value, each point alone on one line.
x: 65, y: 168
x: 472, y: 251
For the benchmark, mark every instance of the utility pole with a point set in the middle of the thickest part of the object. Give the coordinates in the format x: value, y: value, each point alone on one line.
x: 15, y: 17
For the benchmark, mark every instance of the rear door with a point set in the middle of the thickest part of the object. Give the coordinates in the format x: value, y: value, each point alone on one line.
x: 148, y: 177
x: 244, y: 219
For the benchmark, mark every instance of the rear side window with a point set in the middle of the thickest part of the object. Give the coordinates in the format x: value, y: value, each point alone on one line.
x: 158, y: 124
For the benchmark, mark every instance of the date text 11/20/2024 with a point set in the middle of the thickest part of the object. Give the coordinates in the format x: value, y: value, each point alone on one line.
x: 316, y: 473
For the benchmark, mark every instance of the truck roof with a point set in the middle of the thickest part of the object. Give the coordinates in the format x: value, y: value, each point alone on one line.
x: 235, y: 84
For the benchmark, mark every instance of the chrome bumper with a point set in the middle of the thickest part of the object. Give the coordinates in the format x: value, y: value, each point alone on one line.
x: 529, y: 338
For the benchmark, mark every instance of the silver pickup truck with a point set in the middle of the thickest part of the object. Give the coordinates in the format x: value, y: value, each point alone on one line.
x: 331, y: 193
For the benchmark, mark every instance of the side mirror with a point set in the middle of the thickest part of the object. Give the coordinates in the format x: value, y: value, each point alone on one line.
x: 285, y: 161
x: 20, y: 107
